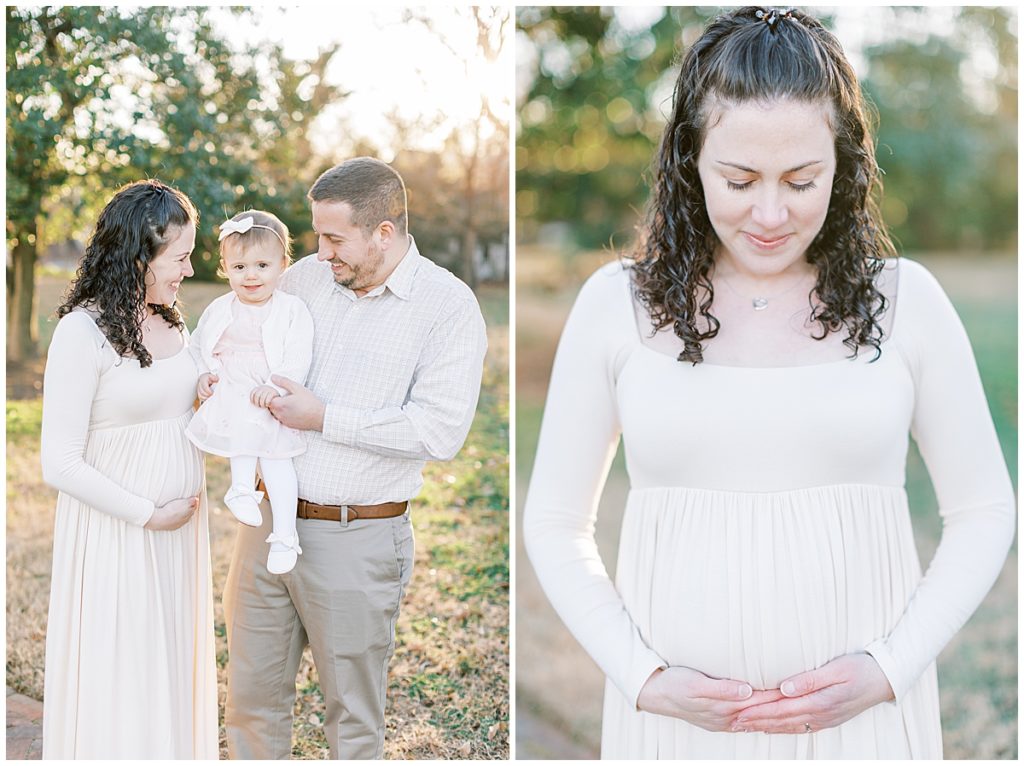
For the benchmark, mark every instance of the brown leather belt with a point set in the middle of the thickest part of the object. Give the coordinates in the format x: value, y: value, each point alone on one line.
x: 308, y: 510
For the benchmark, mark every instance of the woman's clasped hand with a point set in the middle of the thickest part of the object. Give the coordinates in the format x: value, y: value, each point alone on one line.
x: 710, y: 703
x: 817, y: 699
x: 173, y: 515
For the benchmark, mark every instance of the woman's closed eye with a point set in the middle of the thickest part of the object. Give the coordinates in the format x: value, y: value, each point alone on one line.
x: 807, y: 186
x: 737, y: 186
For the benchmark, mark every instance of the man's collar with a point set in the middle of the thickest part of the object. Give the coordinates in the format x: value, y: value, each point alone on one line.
x: 400, y: 280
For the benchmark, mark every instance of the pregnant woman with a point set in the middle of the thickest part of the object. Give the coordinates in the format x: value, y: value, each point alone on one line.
x: 129, y: 641
x: 765, y: 358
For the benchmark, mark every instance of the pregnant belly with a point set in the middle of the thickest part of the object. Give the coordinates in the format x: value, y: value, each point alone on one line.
x: 153, y: 459
x: 758, y: 587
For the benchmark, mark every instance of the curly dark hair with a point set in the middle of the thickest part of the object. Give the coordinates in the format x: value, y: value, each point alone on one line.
x: 140, y: 219
x: 759, y: 54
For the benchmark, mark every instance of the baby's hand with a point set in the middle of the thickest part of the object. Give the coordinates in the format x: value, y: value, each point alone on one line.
x: 262, y: 396
x: 206, y: 383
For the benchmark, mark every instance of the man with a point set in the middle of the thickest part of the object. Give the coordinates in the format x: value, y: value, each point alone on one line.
x: 397, y: 360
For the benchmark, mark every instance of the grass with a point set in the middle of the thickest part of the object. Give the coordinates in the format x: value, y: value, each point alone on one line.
x: 977, y: 670
x: 448, y: 682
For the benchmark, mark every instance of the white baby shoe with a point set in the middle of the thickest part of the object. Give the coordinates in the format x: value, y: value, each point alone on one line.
x: 284, y: 552
x: 244, y: 504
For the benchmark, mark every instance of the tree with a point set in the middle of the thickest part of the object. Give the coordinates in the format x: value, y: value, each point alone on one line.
x: 287, y: 164
x: 590, y: 121
x: 948, y: 148
x: 100, y: 96
x: 53, y: 73
x: 478, y: 148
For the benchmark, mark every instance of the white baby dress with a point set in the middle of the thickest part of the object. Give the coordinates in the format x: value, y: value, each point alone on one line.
x: 228, y: 423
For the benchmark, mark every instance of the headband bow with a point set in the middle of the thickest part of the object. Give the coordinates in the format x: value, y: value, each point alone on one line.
x: 242, y: 225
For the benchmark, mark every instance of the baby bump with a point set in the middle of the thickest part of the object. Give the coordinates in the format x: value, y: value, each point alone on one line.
x: 153, y: 459
x: 758, y: 587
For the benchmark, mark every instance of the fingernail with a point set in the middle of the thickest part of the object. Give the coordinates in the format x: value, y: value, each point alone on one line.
x: 788, y: 688
x: 745, y: 691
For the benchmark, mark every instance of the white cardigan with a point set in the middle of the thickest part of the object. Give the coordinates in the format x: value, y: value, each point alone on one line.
x: 287, y: 336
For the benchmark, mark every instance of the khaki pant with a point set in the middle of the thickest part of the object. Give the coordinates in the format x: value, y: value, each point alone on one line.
x: 342, y: 598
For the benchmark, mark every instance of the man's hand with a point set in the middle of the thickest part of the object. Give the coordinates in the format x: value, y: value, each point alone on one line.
x: 299, y: 408
x: 820, y: 699
x: 262, y: 396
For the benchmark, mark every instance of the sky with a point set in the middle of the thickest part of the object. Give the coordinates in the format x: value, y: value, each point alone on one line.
x: 388, y: 63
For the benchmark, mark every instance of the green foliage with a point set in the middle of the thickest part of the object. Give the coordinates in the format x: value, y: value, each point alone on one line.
x: 600, y: 86
x: 592, y: 117
x: 24, y: 419
x: 948, y: 148
x: 98, y: 97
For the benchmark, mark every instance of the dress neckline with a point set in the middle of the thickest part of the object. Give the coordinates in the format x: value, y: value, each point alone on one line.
x: 884, y: 346
x: 869, y: 351
x: 179, y: 352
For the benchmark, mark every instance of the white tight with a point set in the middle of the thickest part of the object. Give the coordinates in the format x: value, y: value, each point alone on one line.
x: 282, y: 487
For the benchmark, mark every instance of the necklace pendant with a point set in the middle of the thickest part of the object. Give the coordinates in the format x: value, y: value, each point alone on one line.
x: 759, y: 304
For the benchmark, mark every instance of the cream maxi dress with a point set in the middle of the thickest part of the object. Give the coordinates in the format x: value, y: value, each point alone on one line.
x: 130, y: 663
x: 766, y: 531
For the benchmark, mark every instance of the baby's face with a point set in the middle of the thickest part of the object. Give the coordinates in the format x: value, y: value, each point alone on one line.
x: 253, y: 273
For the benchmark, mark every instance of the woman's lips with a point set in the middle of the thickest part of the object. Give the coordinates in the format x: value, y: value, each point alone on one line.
x: 766, y: 244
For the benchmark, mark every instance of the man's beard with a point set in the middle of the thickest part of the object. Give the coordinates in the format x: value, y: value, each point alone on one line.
x: 363, y: 274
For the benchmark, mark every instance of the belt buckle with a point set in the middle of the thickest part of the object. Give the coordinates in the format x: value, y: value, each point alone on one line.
x: 343, y: 516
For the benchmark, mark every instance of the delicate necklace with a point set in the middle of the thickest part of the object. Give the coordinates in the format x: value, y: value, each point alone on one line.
x: 760, y: 302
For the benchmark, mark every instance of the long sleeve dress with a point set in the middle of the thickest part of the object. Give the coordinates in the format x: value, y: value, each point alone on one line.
x: 766, y: 530
x: 130, y: 659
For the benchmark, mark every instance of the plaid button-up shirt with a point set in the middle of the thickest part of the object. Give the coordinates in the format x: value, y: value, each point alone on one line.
x: 399, y: 370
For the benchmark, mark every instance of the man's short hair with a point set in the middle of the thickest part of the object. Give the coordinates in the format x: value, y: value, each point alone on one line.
x: 373, y: 189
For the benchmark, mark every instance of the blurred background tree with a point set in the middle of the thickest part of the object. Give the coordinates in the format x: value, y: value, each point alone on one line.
x: 596, y: 86
x: 99, y: 96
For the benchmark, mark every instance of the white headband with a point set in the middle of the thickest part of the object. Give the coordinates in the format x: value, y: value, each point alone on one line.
x: 242, y: 225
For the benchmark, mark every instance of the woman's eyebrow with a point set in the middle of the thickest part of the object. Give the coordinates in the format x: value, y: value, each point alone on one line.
x: 745, y: 169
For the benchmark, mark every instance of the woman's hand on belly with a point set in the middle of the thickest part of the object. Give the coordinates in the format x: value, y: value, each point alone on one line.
x: 173, y: 515
x: 710, y: 703
x: 820, y: 699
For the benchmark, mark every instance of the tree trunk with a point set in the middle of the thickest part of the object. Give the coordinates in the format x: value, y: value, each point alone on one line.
x: 469, y: 240
x: 22, y: 332
x: 469, y: 235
